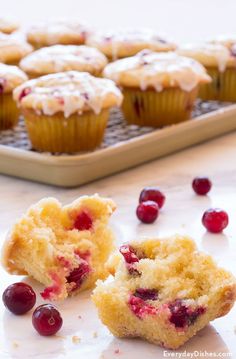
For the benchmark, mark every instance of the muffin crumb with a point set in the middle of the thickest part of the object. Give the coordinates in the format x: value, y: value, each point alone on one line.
x: 76, y: 339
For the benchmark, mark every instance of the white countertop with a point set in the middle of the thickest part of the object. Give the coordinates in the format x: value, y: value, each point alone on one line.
x: 173, y: 174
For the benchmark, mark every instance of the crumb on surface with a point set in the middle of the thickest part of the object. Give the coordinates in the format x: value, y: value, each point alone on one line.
x: 76, y: 339
x: 117, y: 351
x: 15, y: 344
x: 60, y: 336
x: 95, y: 334
x: 79, y: 316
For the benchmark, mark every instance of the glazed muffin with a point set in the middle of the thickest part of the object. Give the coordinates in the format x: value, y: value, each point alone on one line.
x: 159, y: 88
x: 8, y: 26
x: 64, y: 248
x: 57, y: 32
x: 220, y: 65
x: 10, y: 78
x: 67, y: 111
x: 163, y: 291
x: 13, y: 49
x: 124, y: 43
x: 60, y: 58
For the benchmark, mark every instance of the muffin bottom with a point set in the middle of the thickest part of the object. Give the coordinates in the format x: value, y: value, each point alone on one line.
x: 157, y: 109
x: 222, y: 87
x: 59, y: 134
x: 9, y: 113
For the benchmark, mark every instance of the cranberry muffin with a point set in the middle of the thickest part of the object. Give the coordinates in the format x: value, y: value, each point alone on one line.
x: 220, y: 64
x: 163, y: 291
x: 60, y: 58
x: 64, y: 32
x: 63, y: 247
x: 159, y: 88
x: 128, y: 42
x: 13, y: 48
x: 8, y: 26
x: 10, y: 78
x: 68, y: 111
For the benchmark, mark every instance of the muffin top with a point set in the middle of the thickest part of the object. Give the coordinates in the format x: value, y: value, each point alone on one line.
x: 157, y: 71
x: 57, y: 32
x: 215, y: 55
x: 226, y: 40
x: 67, y: 92
x: 60, y: 58
x: 13, y: 48
x: 10, y: 78
x: 124, y: 43
x: 7, y: 26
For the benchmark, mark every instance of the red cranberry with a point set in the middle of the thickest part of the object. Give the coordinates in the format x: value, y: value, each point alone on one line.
x: 146, y: 294
x: 140, y: 308
x: 83, y: 222
x: 19, y: 298
x: 147, y: 212
x: 47, y: 320
x: 130, y: 258
x: 182, y: 316
x: 201, y: 185
x: 128, y: 253
x: 152, y: 194
x: 26, y: 91
x: 2, y: 85
x: 215, y: 220
x: 78, y: 275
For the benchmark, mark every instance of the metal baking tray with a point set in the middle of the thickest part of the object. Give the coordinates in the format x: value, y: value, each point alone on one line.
x: 124, y: 146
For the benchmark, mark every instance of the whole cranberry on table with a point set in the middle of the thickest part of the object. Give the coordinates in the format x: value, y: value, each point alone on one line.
x: 147, y: 212
x: 152, y: 194
x: 19, y: 298
x: 215, y: 220
x: 201, y: 185
x: 47, y: 320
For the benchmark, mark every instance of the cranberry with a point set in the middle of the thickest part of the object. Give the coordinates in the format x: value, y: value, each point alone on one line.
x: 215, y: 220
x: 2, y: 85
x: 146, y: 294
x: 47, y: 320
x: 147, y: 212
x: 152, y: 194
x: 182, y: 316
x: 201, y: 185
x: 130, y: 259
x: 19, y: 298
x: 128, y: 253
x: 26, y: 91
x: 78, y: 275
x: 83, y: 222
x: 140, y: 308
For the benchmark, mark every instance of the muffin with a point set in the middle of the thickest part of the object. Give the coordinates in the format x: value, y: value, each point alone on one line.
x: 13, y: 49
x: 55, y: 32
x: 220, y: 65
x: 10, y: 78
x: 64, y: 248
x: 226, y: 40
x: 8, y: 26
x: 159, y: 88
x: 124, y: 43
x: 60, y: 58
x: 164, y: 291
x: 67, y: 111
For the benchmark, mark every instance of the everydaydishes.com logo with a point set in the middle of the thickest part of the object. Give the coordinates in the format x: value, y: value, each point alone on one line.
x: 197, y: 354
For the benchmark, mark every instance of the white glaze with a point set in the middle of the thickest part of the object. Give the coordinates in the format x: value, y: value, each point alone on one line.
x: 127, y: 42
x: 208, y: 54
x: 11, y: 77
x: 157, y: 70
x: 68, y: 92
x: 59, y: 58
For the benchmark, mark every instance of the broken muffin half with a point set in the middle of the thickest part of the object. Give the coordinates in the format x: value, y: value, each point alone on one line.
x: 64, y: 248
